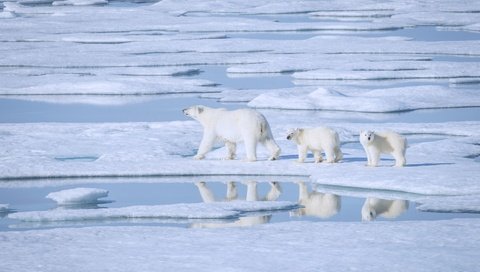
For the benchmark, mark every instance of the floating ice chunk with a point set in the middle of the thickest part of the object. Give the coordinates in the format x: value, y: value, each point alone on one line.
x: 134, y: 85
x: 392, y: 70
x: 79, y: 2
x: 3, y: 208
x: 78, y: 196
x: 216, y: 210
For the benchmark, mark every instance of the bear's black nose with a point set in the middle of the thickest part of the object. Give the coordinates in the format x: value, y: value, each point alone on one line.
x: 288, y: 137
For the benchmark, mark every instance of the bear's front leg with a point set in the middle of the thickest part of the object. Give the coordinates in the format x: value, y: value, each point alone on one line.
x: 205, y: 145
x: 302, y: 153
x: 369, y: 159
x: 374, y: 156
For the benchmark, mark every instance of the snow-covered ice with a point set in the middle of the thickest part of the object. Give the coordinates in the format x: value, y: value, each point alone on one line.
x: 293, y: 246
x: 138, y: 149
x: 78, y: 196
x: 217, y: 210
x: 378, y: 100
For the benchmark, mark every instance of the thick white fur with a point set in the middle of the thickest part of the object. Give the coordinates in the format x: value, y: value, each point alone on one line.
x: 317, y: 140
x: 231, y: 127
x: 314, y: 203
x: 389, y: 142
x: 374, y: 207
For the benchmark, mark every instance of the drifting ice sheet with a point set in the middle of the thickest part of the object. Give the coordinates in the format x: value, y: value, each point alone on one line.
x: 78, y: 196
x: 216, y: 210
x: 378, y: 100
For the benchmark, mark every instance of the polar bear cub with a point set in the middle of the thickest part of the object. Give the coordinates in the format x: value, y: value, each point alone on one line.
x: 317, y: 140
x: 387, y: 142
x: 242, y: 125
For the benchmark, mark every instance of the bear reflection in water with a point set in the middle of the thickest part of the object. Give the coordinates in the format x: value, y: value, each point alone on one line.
x: 323, y: 205
x: 312, y: 202
x: 232, y: 194
x: 374, y: 207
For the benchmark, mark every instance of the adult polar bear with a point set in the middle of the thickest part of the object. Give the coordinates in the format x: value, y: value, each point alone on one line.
x: 235, y: 126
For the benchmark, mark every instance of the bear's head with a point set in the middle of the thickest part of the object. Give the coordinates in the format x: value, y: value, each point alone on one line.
x: 293, y: 134
x: 367, y: 136
x: 368, y: 213
x: 194, y: 111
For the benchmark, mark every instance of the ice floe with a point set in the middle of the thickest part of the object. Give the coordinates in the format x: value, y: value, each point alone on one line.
x: 376, y: 100
x: 79, y: 2
x: 216, y: 210
x: 78, y: 196
x: 48, y: 52
x: 138, y: 149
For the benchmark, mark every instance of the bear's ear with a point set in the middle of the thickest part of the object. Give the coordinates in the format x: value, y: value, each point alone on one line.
x: 200, y: 109
x: 300, y: 130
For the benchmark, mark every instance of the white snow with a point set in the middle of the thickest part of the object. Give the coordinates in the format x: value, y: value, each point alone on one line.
x: 294, y: 246
x: 78, y: 196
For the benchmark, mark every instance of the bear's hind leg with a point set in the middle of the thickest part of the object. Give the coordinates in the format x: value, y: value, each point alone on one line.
x: 338, y: 154
x: 232, y: 149
x: 399, y: 159
x: 251, y: 149
x: 330, y: 155
x: 317, y: 155
x: 274, y: 149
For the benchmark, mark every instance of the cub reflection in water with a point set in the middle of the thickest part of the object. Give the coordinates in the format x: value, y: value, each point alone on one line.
x: 232, y: 194
x: 314, y: 203
x: 374, y: 207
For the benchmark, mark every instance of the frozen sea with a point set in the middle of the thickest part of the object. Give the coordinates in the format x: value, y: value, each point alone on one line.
x: 96, y: 167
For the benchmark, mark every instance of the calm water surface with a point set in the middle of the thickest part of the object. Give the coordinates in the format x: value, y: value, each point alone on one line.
x: 317, y: 205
